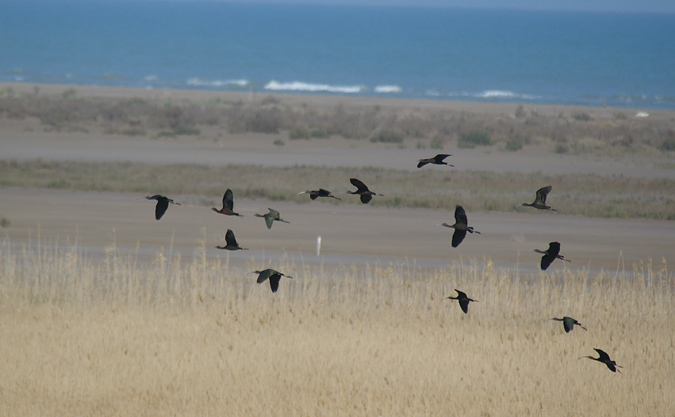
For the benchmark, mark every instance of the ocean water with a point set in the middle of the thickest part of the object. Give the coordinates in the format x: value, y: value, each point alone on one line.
x: 625, y: 60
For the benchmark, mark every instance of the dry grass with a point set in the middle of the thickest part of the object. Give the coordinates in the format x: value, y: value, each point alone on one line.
x: 589, y: 195
x: 196, y: 337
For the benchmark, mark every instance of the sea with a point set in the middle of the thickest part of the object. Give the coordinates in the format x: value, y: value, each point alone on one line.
x: 568, y: 58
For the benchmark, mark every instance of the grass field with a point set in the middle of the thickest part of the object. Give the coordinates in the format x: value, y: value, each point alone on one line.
x: 196, y: 337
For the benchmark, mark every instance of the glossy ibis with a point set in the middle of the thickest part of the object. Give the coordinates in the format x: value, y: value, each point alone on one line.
x: 270, y: 217
x: 162, y: 204
x: 436, y: 160
x: 362, y: 190
x: 550, y: 255
x: 228, y: 205
x: 540, y: 199
x: 230, y: 242
x: 314, y: 194
x: 463, y: 301
x: 461, y: 226
x: 568, y: 323
x: 604, y: 358
x: 274, y: 277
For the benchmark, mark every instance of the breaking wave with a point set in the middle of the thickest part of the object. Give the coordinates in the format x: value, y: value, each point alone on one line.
x: 309, y: 87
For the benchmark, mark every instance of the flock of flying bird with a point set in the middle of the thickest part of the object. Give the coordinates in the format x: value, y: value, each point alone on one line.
x: 461, y: 227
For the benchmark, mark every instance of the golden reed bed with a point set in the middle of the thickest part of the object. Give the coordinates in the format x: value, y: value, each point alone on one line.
x: 197, y: 337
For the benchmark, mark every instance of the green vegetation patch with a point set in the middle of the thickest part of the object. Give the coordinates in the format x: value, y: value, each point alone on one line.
x: 580, y: 194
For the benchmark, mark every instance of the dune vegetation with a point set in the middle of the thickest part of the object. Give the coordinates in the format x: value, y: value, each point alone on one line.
x: 197, y: 337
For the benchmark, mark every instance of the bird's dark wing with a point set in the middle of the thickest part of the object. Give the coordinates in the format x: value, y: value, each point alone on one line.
x: 458, y: 237
x: 274, y: 281
x: 464, y: 304
x: 263, y: 275
x: 440, y: 157
x: 361, y: 187
x: 160, y: 208
x: 228, y: 200
x: 274, y: 214
x: 365, y: 198
x: 230, y: 239
x: 542, y: 193
x: 568, y: 324
x: 323, y: 193
x: 314, y: 195
x: 269, y: 220
x: 422, y: 163
x: 546, y: 261
x: 460, y: 294
x: 460, y: 215
x: 603, y: 355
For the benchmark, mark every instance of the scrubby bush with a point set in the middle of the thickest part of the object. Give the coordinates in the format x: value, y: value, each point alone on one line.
x: 582, y: 117
x: 514, y: 145
x: 387, y: 136
x: 473, y: 139
x: 299, y: 133
x: 668, y: 144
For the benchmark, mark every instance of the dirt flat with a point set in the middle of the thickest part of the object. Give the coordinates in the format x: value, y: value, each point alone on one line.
x: 351, y: 234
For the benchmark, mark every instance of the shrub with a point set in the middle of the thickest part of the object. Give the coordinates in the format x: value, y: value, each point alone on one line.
x: 387, y: 136
x: 299, y: 133
x: 186, y: 130
x: 514, y: 145
x: 668, y: 144
x: 436, y: 143
x: 520, y: 112
x: 582, y: 117
x: 473, y: 139
x: 561, y: 148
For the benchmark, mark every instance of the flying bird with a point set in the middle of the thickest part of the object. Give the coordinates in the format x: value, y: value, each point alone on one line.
x: 270, y: 217
x: 550, y: 255
x: 436, y: 160
x: 274, y: 277
x: 314, y: 194
x: 162, y: 204
x: 461, y: 226
x: 228, y: 205
x: 362, y: 190
x: 568, y: 323
x: 540, y: 199
x: 604, y: 358
x: 230, y: 242
x: 463, y: 301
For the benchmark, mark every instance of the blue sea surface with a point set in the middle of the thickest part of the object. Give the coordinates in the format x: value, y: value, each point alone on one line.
x: 613, y: 59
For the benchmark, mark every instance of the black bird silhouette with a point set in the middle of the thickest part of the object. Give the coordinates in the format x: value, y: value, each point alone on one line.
x: 463, y: 301
x: 270, y: 217
x: 362, y: 190
x: 228, y: 205
x: 436, y: 160
x: 314, y: 194
x: 230, y: 242
x: 274, y: 277
x: 540, y: 199
x: 550, y: 255
x: 604, y: 358
x: 461, y: 226
x: 568, y: 323
x: 162, y: 204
